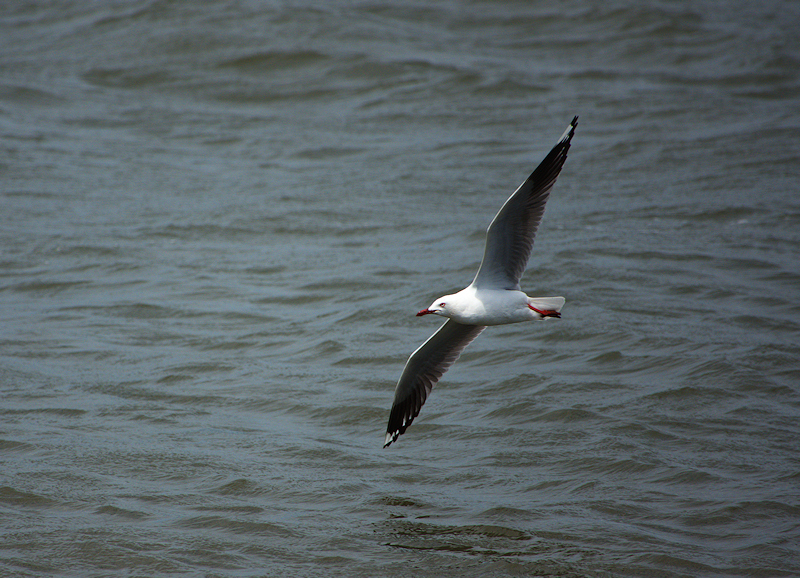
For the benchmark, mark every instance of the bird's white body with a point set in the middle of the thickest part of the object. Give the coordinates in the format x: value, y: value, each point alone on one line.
x: 472, y: 306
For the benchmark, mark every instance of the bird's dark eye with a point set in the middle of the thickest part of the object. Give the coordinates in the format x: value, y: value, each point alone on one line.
x: 441, y: 304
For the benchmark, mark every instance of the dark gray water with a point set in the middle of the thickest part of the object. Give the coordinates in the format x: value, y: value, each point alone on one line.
x: 218, y: 219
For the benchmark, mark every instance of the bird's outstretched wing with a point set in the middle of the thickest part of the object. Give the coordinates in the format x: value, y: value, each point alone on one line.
x: 423, y: 369
x: 509, y: 239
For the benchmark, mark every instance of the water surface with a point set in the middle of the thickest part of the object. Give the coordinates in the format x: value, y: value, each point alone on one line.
x: 219, y: 218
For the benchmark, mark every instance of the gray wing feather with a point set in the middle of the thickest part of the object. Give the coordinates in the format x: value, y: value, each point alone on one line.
x: 423, y: 370
x: 509, y: 239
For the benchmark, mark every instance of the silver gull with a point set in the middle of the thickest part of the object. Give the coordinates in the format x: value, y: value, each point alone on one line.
x: 494, y: 296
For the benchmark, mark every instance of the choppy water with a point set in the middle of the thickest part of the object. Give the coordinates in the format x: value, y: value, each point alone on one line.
x: 218, y: 218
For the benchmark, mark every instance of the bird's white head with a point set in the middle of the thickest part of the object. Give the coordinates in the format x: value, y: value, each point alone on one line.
x: 438, y: 307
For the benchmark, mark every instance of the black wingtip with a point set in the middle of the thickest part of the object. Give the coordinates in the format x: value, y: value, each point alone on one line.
x: 570, y: 132
x: 392, y: 436
x: 398, y: 424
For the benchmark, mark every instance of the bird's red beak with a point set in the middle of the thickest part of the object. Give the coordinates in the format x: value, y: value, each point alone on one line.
x: 424, y: 312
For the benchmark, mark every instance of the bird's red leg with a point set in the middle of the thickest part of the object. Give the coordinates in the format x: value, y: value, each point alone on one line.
x: 545, y: 312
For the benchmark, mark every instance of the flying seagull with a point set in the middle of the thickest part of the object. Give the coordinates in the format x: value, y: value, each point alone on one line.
x: 494, y: 296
